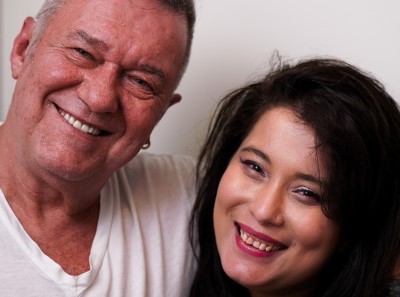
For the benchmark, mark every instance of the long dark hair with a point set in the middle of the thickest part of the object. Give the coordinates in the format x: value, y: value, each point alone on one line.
x: 357, y: 130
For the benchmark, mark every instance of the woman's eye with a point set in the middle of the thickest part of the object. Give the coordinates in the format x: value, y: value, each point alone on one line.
x: 308, y: 194
x: 254, y: 167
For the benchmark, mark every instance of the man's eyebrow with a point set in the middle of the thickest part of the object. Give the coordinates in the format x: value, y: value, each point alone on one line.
x: 86, y: 38
x: 152, y: 70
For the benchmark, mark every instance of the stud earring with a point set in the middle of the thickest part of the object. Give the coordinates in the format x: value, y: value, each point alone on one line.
x: 146, y: 145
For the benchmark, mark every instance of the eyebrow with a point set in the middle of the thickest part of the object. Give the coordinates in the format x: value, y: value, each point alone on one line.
x: 86, y: 38
x: 257, y: 152
x: 266, y: 158
x: 310, y: 178
x: 95, y: 42
x: 152, y: 70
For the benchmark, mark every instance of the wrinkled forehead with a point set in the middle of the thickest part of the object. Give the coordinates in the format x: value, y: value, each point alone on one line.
x: 132, y: 31
x: 127, y: 17
x: 117, y: 10
x: 122, y: 20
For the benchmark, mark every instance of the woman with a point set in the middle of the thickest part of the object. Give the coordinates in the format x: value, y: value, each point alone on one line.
x: 299, y: 187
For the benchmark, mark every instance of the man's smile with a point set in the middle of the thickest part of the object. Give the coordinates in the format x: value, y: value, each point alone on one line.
x: 78, y: 124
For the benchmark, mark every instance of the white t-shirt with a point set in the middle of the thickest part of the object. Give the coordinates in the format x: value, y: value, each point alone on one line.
x: 141, y: 246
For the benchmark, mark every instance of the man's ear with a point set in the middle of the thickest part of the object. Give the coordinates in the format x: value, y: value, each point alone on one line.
x: 175, y: 99
x: 20, y: 47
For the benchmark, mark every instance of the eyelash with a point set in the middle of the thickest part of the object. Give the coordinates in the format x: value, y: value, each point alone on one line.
x: 304, y: 191
x: 254, y: 166
x: 141, y: 83
x: 84, y: 53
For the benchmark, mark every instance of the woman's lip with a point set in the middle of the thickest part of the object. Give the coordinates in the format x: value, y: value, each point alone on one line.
x: 259, y: 235
x: 250, y: 250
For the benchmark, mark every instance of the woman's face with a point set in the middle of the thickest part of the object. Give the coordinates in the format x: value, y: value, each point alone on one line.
x: 271, y: 233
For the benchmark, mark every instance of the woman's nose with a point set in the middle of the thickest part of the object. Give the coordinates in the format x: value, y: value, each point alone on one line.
x: 268, y: 205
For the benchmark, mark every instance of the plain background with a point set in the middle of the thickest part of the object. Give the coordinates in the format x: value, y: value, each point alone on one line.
x: 233, y: 44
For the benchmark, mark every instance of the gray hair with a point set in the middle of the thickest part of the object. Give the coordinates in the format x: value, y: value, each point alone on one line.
x: 181, y: 7
x: 187, y: 9
x: 45, y: 14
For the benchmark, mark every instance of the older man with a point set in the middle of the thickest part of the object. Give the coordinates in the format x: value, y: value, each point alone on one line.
x: 78, y: 217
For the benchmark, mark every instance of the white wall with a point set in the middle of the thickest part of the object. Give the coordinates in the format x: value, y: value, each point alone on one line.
x: 233, y: 43
x: 12, y: 15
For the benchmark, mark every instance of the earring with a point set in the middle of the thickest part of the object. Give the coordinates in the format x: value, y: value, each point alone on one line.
x: 146, y: 145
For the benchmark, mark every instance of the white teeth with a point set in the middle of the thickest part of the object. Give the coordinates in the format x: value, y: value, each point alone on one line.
x: 256, y: 244
x: 85, y: 128
x: 262, y: 246
x: 78, y: 124
x: 244, y: 236
x: 71, y: 120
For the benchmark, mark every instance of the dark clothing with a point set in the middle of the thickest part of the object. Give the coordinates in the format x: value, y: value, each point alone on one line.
x: 394, y: 288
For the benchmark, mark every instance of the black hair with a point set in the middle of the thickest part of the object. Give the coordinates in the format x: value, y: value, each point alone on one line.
x: 357, y: 130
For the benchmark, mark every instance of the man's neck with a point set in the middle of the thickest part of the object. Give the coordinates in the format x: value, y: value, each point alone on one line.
x: 61, y: 217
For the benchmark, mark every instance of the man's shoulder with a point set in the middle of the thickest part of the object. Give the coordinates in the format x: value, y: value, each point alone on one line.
x: 160, y: 171
x: 159, y: 164
x: 167, y: 181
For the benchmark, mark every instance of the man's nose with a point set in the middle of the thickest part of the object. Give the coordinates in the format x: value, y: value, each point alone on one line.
x: 268, y: 205
x: 99, y: 89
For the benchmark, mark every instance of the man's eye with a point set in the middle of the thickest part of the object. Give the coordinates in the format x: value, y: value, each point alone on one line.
x: 84, y: 53
x: 141, y: 83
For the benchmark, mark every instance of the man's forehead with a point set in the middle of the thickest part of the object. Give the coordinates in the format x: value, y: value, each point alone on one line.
x: 147, y: 5
x: 122, y: 12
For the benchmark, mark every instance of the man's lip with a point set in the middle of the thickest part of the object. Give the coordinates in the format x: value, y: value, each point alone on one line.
x: 100, y: 132
x: 259, y: 235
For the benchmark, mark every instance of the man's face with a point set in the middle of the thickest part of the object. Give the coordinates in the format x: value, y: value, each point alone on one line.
x: 95, y: 84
